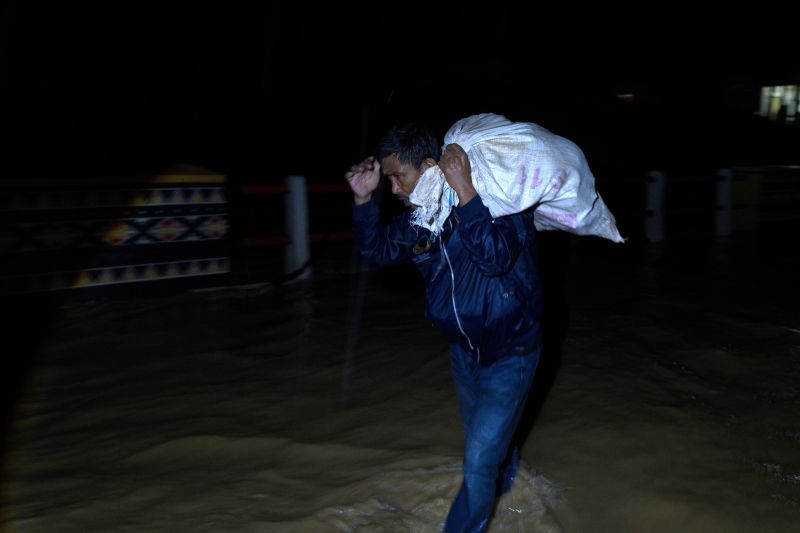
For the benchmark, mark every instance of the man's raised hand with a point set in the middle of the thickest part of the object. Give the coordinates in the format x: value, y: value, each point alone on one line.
x: 364, y: 178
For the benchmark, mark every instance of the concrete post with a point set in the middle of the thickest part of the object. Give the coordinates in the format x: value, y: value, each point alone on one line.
x: 296, y: 209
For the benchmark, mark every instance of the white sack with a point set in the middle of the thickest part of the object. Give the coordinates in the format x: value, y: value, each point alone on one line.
x: 517, y: 165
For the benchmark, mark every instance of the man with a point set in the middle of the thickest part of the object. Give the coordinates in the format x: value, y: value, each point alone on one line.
x: 482, y: 293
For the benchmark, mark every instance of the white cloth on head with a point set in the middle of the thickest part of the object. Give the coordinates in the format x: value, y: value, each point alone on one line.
x: 516, y: 166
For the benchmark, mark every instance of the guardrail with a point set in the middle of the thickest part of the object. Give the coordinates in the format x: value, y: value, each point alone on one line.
x: 72, y: 234
x: 59, y: 234
x: 732, y: 201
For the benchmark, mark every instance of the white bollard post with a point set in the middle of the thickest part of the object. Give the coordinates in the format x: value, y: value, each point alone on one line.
x: 296, y: 209
x: 723, y: 210
x: 654, y: 206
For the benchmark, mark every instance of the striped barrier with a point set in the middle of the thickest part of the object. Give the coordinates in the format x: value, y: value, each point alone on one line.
x: 62, y: 234
x: 296, y: 237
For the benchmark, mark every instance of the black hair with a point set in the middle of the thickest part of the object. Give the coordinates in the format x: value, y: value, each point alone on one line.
x: 413, y: 142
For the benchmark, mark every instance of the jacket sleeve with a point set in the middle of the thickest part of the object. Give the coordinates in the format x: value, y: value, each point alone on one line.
x: 493, y: 244
x: 378, y: 246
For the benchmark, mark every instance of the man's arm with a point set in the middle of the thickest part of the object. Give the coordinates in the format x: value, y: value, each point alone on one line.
x: 363, y: 179
x: 493, y: 244
x: 455, y: 166
x: 377, y: 246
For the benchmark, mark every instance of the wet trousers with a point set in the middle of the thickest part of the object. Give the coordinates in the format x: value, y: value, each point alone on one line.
x: 491, y: 400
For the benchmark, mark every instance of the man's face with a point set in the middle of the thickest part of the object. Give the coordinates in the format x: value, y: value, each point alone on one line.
x: 403, y: 177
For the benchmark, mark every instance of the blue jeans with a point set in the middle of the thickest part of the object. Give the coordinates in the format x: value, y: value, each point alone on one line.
x: 491, y: 400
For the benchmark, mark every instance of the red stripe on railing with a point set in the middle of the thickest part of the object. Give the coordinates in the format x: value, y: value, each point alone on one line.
x: 265, y: 189
x: 267, y: 240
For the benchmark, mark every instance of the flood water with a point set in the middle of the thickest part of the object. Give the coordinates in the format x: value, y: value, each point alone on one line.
x: 668, y: 401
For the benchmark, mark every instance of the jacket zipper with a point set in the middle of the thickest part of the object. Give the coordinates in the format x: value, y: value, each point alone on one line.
x: 453, y: 296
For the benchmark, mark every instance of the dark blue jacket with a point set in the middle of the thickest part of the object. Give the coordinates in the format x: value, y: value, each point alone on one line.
x: 482, y: 286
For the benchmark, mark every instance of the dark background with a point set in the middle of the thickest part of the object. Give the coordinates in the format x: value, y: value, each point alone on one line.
x: 256, y: 92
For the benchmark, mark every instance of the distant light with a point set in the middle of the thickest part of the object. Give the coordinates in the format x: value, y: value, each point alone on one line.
x: 626, y: 97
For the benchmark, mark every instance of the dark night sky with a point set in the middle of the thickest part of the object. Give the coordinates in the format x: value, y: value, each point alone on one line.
x: 266, y: 91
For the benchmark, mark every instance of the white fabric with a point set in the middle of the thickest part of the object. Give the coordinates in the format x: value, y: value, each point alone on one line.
x: 517, y: 165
